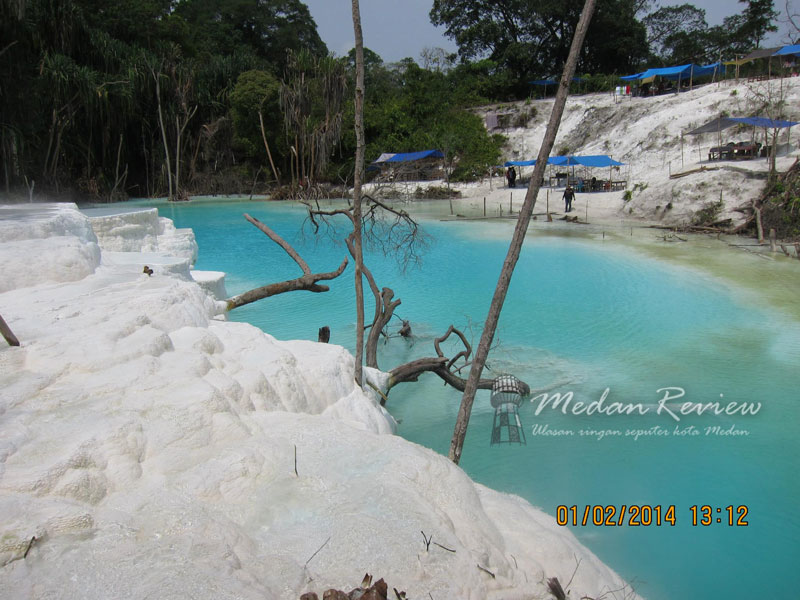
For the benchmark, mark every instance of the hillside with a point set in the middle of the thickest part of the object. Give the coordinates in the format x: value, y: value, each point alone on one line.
x: 646, y: 134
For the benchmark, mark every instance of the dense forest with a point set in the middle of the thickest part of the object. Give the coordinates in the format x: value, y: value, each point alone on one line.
x: 176, y: 97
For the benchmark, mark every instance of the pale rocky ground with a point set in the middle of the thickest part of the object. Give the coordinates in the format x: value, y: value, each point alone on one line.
x: 149, y: 445
x: 645, y: 134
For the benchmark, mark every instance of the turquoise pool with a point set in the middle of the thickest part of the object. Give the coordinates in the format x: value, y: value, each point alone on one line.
x: 583, y: 315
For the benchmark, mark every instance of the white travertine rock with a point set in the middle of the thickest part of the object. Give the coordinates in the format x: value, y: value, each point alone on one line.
x: 155, y: 452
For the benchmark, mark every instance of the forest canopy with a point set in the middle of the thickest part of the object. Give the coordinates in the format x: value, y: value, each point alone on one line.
x: 176, y: 97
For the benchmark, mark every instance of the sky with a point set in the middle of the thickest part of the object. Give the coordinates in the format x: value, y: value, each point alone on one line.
x: 397, y: 29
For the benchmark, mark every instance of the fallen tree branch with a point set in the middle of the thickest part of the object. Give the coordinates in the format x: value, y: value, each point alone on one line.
x: 441, y: 366
x: 309, y: 281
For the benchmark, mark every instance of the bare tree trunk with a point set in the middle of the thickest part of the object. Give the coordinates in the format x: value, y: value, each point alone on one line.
x: 118, y: 180
x: 164, y: 136
x: 178, y: 132
x: 266, y: 145
x: 359, y: 170
x: 759, y: 226
x: 462, y: 421
x: 179, y: 129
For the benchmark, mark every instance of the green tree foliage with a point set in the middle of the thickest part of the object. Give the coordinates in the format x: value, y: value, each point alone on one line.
x: 758, y: 20
x: 312, y: 97
x: 256, y: 91
x: 678, y: 34
x: 413, y: 109
x: 142, y: 97
x: 78, y: 79
x: 266, y: 28
x: 531, y: 38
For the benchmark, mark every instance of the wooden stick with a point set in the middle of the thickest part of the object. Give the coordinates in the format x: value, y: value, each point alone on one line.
x: 485, y: 570
x: 8, y: 334
x: 30, y: 545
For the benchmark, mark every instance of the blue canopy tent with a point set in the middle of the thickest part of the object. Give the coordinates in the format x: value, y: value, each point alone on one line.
x: 678, y: 73
x: 793, y: 49
x: 408, y: 163
x: 412, y: 156
x: 721, y: 123
x: 768, y: 53
x: 594, y: 160
x: 724, y: 122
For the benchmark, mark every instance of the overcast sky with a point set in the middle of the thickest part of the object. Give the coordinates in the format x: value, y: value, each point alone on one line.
x: 396, y: 29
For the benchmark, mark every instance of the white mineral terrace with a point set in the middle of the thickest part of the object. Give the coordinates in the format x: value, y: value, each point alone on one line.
x: 149, y: 445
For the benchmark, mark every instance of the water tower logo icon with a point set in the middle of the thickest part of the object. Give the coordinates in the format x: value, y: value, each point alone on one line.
x: 507, y: 395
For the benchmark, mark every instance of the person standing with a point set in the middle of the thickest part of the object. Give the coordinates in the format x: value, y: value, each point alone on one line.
x: 511, y: 175
x: 569, y: 196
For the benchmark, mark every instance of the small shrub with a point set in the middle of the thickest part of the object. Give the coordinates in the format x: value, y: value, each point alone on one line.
x: 435, y: 193
x: 521, y: 119
x: 627, y: 196
x: 734, y: 93
x: 669, y: 206
x: 709, y: 214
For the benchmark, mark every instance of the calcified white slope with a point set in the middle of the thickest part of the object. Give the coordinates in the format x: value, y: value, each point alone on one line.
x: 646, y: 134
x: 150, y: 448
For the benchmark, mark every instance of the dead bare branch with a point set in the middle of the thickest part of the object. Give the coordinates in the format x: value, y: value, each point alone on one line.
x: 440, y: 365
x: 280, y: 241
x: 309, y: 282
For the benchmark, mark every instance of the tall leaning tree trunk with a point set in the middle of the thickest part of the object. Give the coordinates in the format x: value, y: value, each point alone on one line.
x: 266, y: 145
x: 357, y: 178
x: 462, y: 421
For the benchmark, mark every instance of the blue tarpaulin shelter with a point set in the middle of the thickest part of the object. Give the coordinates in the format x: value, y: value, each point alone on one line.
x: 678, y: 72
x: 724, y: 122
x: 410, y: 156
x: 788, y: 50
x: 596, y: 160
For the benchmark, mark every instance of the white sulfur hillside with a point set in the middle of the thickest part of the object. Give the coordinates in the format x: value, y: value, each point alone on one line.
x: 149, y: 446
x: 646, y: 134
